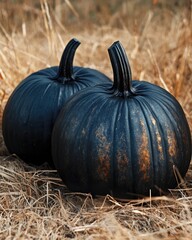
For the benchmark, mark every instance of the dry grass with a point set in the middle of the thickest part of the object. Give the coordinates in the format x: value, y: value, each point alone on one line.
x: 34, y: 203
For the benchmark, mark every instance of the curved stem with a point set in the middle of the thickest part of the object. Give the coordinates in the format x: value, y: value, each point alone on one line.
x: 66, y: 63
x: 121, y: 69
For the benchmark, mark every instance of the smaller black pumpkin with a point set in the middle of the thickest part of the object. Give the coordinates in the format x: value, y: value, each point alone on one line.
x: 123, y: 140
x: 33, y: 106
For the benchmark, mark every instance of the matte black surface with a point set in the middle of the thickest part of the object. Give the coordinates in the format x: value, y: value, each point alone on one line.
x: 33, y: 106
x: 123, y: 140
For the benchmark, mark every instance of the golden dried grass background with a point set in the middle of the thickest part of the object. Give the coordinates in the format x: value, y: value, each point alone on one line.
x: 157, y: 35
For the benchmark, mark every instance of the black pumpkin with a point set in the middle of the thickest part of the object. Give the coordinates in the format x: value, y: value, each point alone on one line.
x: 33, y: 106
x: 127, y: 139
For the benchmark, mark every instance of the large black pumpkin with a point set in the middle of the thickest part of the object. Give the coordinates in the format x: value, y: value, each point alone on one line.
x: 32, y: 108
x: 127, y: 139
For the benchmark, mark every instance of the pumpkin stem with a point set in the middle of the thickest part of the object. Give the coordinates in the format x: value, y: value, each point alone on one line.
x: 66, y: 63
x: 121, y: 70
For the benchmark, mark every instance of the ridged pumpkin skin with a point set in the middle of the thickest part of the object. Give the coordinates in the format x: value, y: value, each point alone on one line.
x: 123, y: 140
x: 33, y: 106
